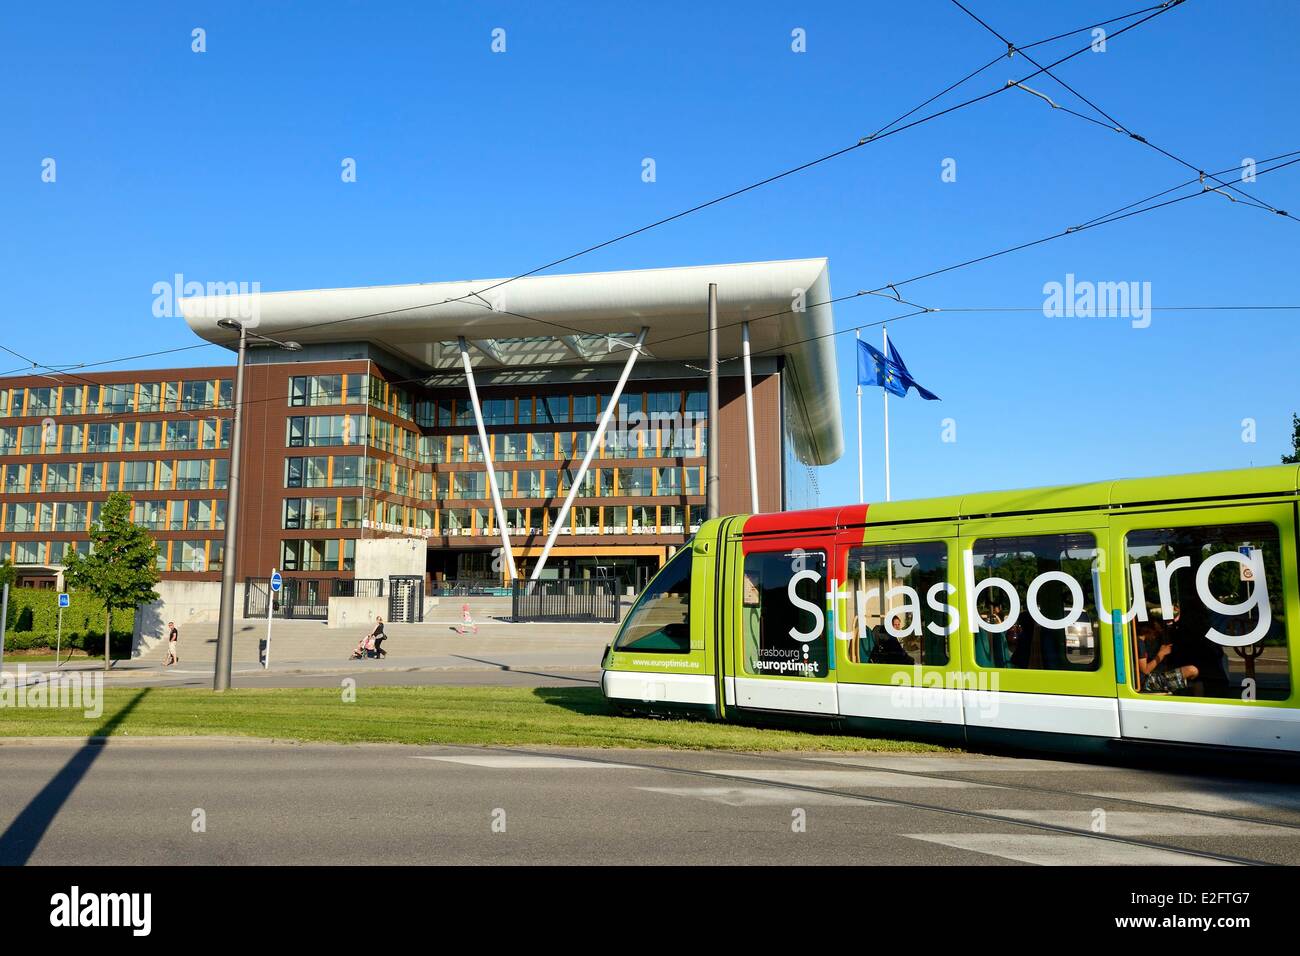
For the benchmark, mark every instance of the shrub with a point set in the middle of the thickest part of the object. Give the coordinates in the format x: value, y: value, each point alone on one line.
x: 91, y: 641
x: 32, y: 610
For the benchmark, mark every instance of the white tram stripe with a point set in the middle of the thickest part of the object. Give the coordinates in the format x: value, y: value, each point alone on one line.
x: 528, y: 762
x: 1128, y: 823
x: 761, y: 797
x: 1064, y: 850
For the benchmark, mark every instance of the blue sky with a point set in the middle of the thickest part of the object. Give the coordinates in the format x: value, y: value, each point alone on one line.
x: 225, y: 165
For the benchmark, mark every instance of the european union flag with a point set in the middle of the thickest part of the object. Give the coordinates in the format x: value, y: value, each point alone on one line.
x: 891, y: 373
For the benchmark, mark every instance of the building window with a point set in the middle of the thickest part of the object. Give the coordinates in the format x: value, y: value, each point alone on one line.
x: 318, y: 430
x: 553, y: 410
x: 586, y: 408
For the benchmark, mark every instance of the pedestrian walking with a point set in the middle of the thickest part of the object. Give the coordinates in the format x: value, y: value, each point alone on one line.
x: 377, y: 637
x: 173, y: 643
x: 467, y: 625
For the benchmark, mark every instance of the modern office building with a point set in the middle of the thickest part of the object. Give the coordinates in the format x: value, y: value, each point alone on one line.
x: 370, y: 430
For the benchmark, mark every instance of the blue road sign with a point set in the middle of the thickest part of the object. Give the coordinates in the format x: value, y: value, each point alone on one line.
x: 276, y: 581
x: 65, y: 600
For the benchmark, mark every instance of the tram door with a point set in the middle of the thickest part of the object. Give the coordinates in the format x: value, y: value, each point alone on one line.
x: 1208, y: 628
x: 1039, y: 648
x: 779, y: 626
x: 896, y: 617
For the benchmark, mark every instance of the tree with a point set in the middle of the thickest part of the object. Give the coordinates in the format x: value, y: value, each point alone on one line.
x: 1294, y: 457
x: 8, y: 573
x: 122, y: 566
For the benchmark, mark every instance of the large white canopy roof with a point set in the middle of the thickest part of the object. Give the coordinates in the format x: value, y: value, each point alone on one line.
x: 579, y: 320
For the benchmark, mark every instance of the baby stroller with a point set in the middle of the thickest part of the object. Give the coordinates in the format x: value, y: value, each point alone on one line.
x: 365, y: 648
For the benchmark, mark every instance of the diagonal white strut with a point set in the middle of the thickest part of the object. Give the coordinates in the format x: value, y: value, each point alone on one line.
x: 749, y: 420
x: 487, y: 458
x: 591, y: 452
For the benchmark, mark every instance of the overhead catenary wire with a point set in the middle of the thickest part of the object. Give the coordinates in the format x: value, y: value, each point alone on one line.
x: 1150, y: 14
x: 1116, y: 216
x: 889, y: 129
x: 1115, y: 124
x: 924, y: 310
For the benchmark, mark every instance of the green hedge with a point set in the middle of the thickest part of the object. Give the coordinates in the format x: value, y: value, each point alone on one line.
x: 92, y: 642
x: 33, y: 610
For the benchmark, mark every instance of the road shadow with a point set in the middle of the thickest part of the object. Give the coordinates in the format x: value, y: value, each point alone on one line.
x: 515, y: 670
x: 586, y: 701
x: 24, y: 834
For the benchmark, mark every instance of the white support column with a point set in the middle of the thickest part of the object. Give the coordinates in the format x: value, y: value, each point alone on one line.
x: 591, y: 453
x: 487, y: 458
x: 749, y: 419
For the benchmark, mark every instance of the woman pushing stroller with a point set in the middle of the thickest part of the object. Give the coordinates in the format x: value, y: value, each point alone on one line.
x: 372, y: 645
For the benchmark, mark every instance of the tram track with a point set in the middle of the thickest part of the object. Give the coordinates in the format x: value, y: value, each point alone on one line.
x: 983, y: 816
x: 1053, y: 791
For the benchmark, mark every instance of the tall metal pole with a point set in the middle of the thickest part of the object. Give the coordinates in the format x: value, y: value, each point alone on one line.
x: 749, y: 419
x: 4, y: 617
x: 861, y: 496
x: 712, y: 509
x: 226, y: 618
x: 270, y: 606
x: 885, y: 392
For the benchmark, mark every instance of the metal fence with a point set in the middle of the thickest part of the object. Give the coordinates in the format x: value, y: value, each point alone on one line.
x: 469, y: 587
x: 358, y: 587
x: 593, y: 600
x: 301, y: 598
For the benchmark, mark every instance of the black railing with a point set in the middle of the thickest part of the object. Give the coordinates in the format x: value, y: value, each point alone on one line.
x: 468, y: 587
x: 302, y: 598
x: 594, y: 600
x: 358, y: 587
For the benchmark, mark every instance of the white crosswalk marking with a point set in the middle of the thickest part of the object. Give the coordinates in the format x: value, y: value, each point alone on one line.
x: 1052, y: 850
x: 848, y: 778
x: 1143, y: 824
x: 959, y: 764
x: 1219, y: 801
x: 760, y: 796
x: 527, y: 762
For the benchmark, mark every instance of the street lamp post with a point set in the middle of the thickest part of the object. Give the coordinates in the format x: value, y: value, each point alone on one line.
x: 226, y: 618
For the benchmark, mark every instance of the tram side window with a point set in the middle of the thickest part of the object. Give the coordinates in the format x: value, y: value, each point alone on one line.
x: 660, y: 621
x: 783, y: 615
x: 1034, y: 603
x: 893, y: 605
x: 1208, y: 612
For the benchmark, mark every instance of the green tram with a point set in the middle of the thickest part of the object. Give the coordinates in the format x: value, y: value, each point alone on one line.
x: 1150, y: 609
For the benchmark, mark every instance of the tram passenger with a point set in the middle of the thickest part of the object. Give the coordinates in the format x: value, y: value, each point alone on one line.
x: 886, y: 648
x: 993, y: 650
x: 752, y: 612
x: 1159, y: 668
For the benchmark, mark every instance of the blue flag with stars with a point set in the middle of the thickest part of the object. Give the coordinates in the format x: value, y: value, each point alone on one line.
x: 890, y: 373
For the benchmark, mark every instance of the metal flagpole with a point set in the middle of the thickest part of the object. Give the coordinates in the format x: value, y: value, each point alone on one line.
x: 857, y: 335
x: 749, y: 419
x: 885, y: 332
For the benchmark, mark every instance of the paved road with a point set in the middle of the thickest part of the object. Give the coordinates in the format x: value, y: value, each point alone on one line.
x: 133, y: 802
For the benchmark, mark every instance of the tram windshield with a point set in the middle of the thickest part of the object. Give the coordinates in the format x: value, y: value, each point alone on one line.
x: 659, y: 622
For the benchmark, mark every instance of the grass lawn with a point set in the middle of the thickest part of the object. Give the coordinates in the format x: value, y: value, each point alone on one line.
x: 568, y: 717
